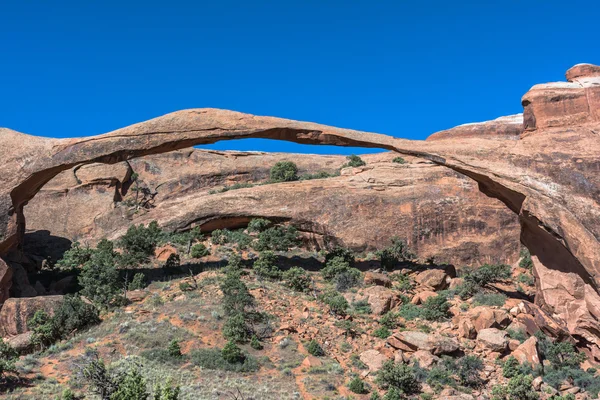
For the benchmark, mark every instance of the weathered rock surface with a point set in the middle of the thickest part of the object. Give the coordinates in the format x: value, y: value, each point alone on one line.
x: 17, y: 311
x: 527, y: 352
x: 493, y: 339
x: 412, y: 341
x: 440, y: 213
x: 549, y: 176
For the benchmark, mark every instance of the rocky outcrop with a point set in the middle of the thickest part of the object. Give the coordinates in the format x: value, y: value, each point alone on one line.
x: 16, y: 312
x: 549, y: 177
x: 440, y: 213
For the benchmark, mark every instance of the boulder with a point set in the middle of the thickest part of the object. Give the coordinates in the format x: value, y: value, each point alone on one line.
x: 412, y: 341
x: 17, y: 311
x: 437, y: 279
x: 490, y: 318
x: 466, y: 329
x: 380, y: 299
x: 375, y: 278
x: 373, y: 359
x: 420, y: 297
x: 424, y: 358
x: 22, y: 342
x: 493, y: 339
x: 527, y: 352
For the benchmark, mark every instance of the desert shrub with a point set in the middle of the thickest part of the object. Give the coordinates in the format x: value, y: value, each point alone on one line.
x: 103, y: 382
x: 72, y: 314
x: 440, y: 376
x: 174, y: 261
x: 382, y: 332
x: 166, y: 392
x: 139, y: 243
x: 389, y: 320
x: 232, y: 354
x: 435, y: 308
x: 336, y: 302
x: 75, y: 257
x: 234, y: 264
x: 235, y: 186
x: 517, y: 334
x: 468, y: 369
x: 8, y: 357
x: 354, y: 161
x: 163, y: 356
x: 467, y: 290
x: 266, y: 266
x: 219, y: 236
x: 409, y: 311
x: 482, y: 277
x: 357, y: 386
x: 361, y: 307
x: 403, y: 282
x: 199, y: 250
x: 350, y: 328
x: 399, y: 160
x: 68, y: 394
x: 277, y: 238
x: 213, y: 359
x: 255, y: 343
x: 258, y: 225
x: 337, y: 266
x: 399, y: 376
x: 314, y: 348
x: 511, y: 367
x: 526, y: 279
x: 174, y: 349
x: 319, y: 175
x: 284, y: 171
x: 526, y: 261
x: 393, y: 394
x: 236, y: 296
x: 563, y: 354
x: 341, y: 252
x: 346, y: 280
x: 99, y: 278
x: 236, y: 329
x: 297, y: 279
x: 138, y: 282
x: 519, y: 388
x: 489, y: 299
x: 132, y: 386
x: 225, y: 236
x: 396, y: 253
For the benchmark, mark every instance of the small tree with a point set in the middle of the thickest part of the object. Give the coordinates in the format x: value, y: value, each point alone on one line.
x: 131, y: 387
x: 396, y: 253
x: 284, y: 171
x: 138, y: 281
x: 8, y: 357
x: 139, y: 243
x: 435, y: 308
x: 99, y: 277
x: 314, y: 348
x: 174, y: 349
x: 199, y: 250
x: 75, y: 257
x: 297, y: 279
x: 258, y: 225
x: 232, y: 354
x: 266, y: 266
x: 236, y: 330
x: 357, y: 386
x: 166, y: 392
x: 398, y: 376
x: 354, y: 161
x: 468, y: 369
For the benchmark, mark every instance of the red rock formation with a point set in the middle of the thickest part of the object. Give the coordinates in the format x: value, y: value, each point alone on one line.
x: 549, y: 177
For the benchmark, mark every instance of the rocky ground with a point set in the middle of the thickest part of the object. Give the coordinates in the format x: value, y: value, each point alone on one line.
x: 384, y: 322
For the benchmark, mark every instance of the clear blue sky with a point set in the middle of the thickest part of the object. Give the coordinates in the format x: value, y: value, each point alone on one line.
x: 408, y: 69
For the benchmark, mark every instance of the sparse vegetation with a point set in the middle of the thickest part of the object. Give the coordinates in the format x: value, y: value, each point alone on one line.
x: 399, y: 160
x: 354, y: 161
x: 396, y: 253
x: 284, y: 171
x: 315, y: 349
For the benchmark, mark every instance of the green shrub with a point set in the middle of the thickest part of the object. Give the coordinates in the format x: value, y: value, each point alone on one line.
x: 236, y: 329
x: 399, y: 160
x: 399, y: 376
x: 225, y: 236
x: 139, y: 243
x: 199, y: 250
x: 526, y: 279
x: 468, y: 369
x: 519, y: 388
x: 409, y: 311
x: 174, y: 349
x: 131, y: 387
x: 489, y: 299
x: 236, y: 296
x: 403, y: 282
x: 354, y: 161
x: 350, y: 328
x: 396, y: 253
x: 489, y: 273
x: 138, y: 282
x: 166, y: 392
x: 277, y: 238
x: 235, y: 186
x: 266, y: 266
x: 517, y: 334
x: 258, y: 225
x: 284, y: 171
x: 75, y: 257
x: 68, y: 394
x: 337, y: 266
x: 255, y: 343
x: 232, y: 354
x: 361, y: 307
x: 315, y: 349
x: 382, y: 332
x: 357, y: 386
x: 435, y: 308
x: 8, y: 357
x: 297, y: 279
x: 319, y: 175
x: 103, y: 382
x: 439, y: 377
x: 99, y: 278
x: 526, y: 261
x: 336, y: 302
x: 341, y: 252
x: 162, y: 356
x: 511, y: 367
x: 394, y: 394
x: 213, y: 359
x: 389, y: 320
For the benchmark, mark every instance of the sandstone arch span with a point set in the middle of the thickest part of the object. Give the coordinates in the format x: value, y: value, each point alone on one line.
x: 549, y: 176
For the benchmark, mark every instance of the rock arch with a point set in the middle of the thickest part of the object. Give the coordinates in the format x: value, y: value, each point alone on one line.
x: 549, y: 176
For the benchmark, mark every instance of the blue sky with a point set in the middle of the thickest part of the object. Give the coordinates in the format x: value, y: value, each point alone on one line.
x: 408, y: 69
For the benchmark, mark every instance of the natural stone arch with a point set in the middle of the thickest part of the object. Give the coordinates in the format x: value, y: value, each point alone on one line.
x: 559, y: 214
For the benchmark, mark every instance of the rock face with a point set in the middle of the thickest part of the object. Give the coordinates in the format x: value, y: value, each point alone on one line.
x: 439, y: 212
x: 549, y: 176
x: 412, y: 341
x: 17, y: 311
